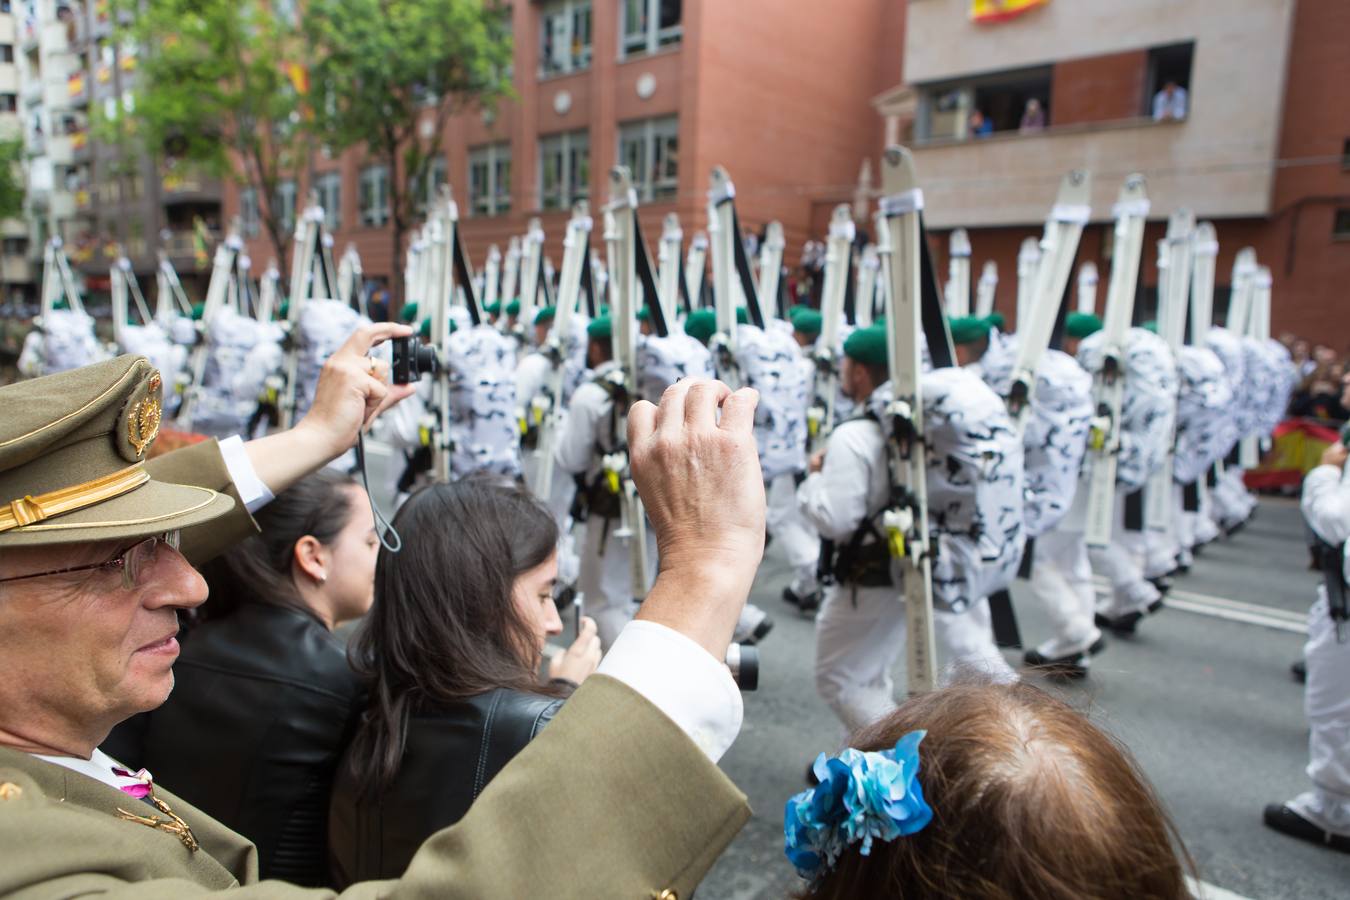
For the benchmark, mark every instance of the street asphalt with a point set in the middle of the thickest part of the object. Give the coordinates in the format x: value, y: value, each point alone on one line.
x: 1206, y: 704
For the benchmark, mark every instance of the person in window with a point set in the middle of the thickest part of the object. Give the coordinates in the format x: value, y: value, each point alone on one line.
x: 451, y: 655
x: 1033, y: 117
x: 264, y: 700
x: 1170, y: 102
x: 979, y: 125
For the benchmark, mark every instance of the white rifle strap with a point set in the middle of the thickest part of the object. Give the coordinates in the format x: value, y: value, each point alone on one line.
x: 1028, y: 262
x: 669, y: 266
x: 1063, y: 229
x: 771, y: 270
x: 1087, y: 288
x: 117, y: 288
x: 720, y: 238
x: 267, y: 293
x: 492, y: 276
x: 1258, y: 326
x: 1204, y: 260
x: 1108, y: 388
x: 985, y: 290
x: 958, y: 273
x: 1176, y: 287
x: 531, y: 269
x: 906, y: 517
x: 1244, y: 285
x: 820, y: 418
x: 442, y: 227
x: 134, y: 289
x: 865, y: 292
x: 695, y: 268
x: 511, y: 272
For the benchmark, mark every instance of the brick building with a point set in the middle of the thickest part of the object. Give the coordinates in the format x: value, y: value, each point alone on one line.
x: 1263, y: 151
x: 778, y: 91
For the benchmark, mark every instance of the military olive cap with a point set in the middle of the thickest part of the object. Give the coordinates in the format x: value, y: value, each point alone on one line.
x: 867, y: 345
x: 808, y: 322
x: 968, y: 329
x: 600, y: 328
x: 1080, y: 325
x: 73, y: 448
x: 701, y: 324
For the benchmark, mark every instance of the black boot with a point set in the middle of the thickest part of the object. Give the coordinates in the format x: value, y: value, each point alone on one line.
x: 1286, y: 821
x: 1123, y: 625
x: 1072, y: 665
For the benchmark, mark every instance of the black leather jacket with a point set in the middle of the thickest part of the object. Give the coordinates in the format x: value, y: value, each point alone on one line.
x: 260, y: 714
x: 450, y: 755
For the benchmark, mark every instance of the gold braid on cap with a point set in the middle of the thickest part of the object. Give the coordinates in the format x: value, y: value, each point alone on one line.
x: 28, y: 509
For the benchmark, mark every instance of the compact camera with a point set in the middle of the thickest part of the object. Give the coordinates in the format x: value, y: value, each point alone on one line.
x: 412, y: 360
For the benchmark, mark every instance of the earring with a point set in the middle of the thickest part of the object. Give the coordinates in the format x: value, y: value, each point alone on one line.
x: 321, y: 578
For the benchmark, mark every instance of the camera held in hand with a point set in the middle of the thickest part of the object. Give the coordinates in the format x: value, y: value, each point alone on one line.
x: 412, y: 360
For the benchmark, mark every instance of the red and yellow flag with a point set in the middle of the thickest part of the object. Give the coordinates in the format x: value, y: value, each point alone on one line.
x: 1001, y: 10
x: 299, y: 76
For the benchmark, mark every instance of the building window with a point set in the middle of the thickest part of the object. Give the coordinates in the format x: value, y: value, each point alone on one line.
x: 285, y: 204
x: 565, y: 37
x: 436, y: 177
x: 1169, y: 81
x: 649, y: 25
x: 329, y: 188
x: 1017, y: 100
x: 248, y: 212
x: 650, y: 150
x: 490, y: 180
x: 9, y: 102
x: 6, y: 53
x: 374, y: 196
x: 1340, y: 225
x: 564, y: 169
x: 1345, y: 156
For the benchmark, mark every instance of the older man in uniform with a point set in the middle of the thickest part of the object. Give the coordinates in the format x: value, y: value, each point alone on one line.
x: 93, y: 574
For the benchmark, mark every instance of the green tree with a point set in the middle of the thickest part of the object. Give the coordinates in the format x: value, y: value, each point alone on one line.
x: 388, y: 74
x: 11, y: 178
x: 220, y: 87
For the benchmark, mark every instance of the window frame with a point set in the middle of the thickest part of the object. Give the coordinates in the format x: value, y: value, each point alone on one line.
x: 286, y: 207
x: 652, y: 130
x: 653, y: 38
x: 568, y: 147
x: 250, y: 213
x: 373, y: 180
x: 495, y: 196
x: 578, y: 59
x: 332, y: 213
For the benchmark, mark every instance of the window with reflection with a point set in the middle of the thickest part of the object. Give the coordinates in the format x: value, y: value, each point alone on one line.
x: 650, y: 150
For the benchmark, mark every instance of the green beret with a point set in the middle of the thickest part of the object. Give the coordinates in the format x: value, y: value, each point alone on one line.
x: 513, y: 308
x: 644, y: 314
x: 968, y: 329
x: 742, y: 316
x: 1151, y: 325
x: 1080, y: 325
x: 493, y: 308
x: 797, y: 309
x: 808, y: 321
x: 199, y: 310
x: 408, y: 313
x: 545, y: 314
x: 998, y: 320
x: 283, y: 313
x: 701, y: 324
x: 425, y: 330
x: 867, y: 345
x: 601, y: 328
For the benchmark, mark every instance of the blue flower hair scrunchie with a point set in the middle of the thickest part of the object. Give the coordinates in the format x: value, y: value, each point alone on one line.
x: 861, y: 797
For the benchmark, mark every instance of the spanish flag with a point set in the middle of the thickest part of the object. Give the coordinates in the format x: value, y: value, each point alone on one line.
x: 299, y: 76
x: 985, y: 11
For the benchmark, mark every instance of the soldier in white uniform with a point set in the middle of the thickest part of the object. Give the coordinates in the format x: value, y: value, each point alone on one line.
x: 798, y: 539
x: 589, y: 432
x: 1322, y: 815
x: 861, y: 627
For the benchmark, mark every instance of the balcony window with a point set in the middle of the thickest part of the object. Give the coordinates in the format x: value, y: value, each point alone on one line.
x: 1017, y: 100
x: 565, y: 37
x: 329, y: 188
x: 6, y: 53
x: 649, y: 25
x: 564, y: 169
x: 285, y: 204
x: 248, y: 212
x: 1169, y: 79
x: 9, y: 102
x: 490, y: 180
x: 650, y: 150
x: 374, y: 196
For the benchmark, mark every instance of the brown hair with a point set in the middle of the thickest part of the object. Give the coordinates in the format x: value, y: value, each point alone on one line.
x: 444, y: 626
x: 1029, y: 799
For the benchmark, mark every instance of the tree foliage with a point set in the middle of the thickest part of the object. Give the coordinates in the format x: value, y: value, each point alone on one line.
x: 216, y: 88
x: 11, y: 178
x: 389, y: 74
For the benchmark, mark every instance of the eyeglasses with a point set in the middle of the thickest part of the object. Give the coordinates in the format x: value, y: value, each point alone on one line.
x: 133, y: 562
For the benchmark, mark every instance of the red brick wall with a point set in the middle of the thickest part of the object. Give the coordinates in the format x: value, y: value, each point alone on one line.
x: 1098, y: 88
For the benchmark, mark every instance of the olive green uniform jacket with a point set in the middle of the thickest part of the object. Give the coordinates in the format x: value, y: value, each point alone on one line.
x: 611, y: 800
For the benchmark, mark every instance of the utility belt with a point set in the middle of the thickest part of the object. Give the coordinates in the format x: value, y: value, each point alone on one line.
x: 596, y: 498
x: 1330, y: 560
x: 864, y: 560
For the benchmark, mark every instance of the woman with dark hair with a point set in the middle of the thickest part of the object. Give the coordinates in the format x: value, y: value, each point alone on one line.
x: 984, y: 792
x: 264, y: 700
x: 451, y: 655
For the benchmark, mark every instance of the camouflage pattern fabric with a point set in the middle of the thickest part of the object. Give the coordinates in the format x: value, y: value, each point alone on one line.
x: 480, y: 370
x: 1150, y: 403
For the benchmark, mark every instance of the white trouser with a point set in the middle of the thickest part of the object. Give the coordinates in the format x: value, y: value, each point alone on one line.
x: 1205, y: 529
x: 860, y: 633
x: 1061, y: 579
x: 1129, y: 591
x: 606, y: 577
x: 1232, y: 502
x: 968, y: 640
x: 1326, y: 701
x: 793, y: 533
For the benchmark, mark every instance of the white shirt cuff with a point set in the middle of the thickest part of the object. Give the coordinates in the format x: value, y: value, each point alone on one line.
x: 251, y: 489
x: 681, y: 679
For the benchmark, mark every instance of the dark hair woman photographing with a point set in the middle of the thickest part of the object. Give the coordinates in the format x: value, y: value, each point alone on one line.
x: 264, y: 700
x: 451, y: 655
